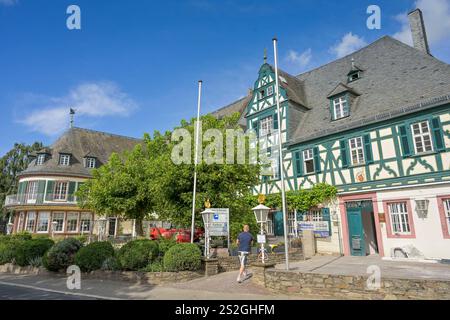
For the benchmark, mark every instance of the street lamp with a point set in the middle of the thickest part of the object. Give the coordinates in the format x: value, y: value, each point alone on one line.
x: 261, y: 213
x: 208, y: 216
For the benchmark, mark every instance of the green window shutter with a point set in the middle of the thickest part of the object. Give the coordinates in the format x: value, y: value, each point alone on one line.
x: 437, y: 134
x: 298, y: 163
x: 316, y: 159
x: 50, y: 191
x: 72, y: 186
x: 275, y: 121
x: 327, y: 217
x: 368, y: 149
x: 41, y: 190
x: 405, y: 139
x: 344, y: 153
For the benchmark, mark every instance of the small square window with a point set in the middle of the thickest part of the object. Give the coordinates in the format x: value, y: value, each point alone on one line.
x: 40, y: 160
x: 90, y: 163
x: 64, y: 160
x: 308, y: 159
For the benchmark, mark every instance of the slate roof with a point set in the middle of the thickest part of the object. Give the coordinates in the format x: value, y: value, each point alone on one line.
x: 79, y: 143
x: 396, y: 80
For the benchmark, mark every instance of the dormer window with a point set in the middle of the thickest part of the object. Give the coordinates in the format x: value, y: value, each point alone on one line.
x: 353, y: 76
x: 64, y: 159
x: 90, y: 162
x: 40, y: 159
x: 340, y: 107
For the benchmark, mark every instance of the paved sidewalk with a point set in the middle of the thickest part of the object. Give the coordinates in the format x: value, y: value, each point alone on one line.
x: 219, y: 287
x: 358, y: 266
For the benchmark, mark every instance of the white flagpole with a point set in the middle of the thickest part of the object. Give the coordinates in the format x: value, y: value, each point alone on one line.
x: 280, y: 149
x: 196, y: 160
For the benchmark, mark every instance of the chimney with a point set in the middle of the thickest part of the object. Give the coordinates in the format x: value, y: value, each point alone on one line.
x: 418, y: 31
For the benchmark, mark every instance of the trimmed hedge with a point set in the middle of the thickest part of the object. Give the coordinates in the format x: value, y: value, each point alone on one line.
x: 61, y: 255
x: 183, y: 257
x: 6, y: 250
x: 26, y: 250
x: 164, y: 245
x: 137, y: 254
x: 92, y: 256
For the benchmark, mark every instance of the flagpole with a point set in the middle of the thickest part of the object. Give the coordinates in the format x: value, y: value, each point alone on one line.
x: 196, y: 160
x: 280, y: 154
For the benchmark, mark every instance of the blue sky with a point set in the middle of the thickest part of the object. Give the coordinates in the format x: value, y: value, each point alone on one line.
x: 134, y: 65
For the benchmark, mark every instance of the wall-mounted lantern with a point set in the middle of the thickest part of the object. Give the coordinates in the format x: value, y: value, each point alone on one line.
x: 422, y: 208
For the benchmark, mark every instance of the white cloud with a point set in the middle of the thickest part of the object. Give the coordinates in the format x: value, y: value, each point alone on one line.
x: 300, y: 60
x: 88, y: 99
x: 348, y: 44
x: 8, y: 2
x: 436, y: 14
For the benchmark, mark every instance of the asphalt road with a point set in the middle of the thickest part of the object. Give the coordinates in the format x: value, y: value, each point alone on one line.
x: 9, y: 292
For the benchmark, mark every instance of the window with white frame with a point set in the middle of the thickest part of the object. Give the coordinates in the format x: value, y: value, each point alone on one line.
x: 40, y: 159
x: 43, y: 222
x: 422, y: 137
x: 61, y: 190
x: 269, y: 91
x: 72, y: 222
x: 313, y: 215
x: 357, y: 150
x: 265, y: 126
x: 64, y: 159
x: 340, y: 107
x: 31, y: 222
x: 32, y: 190
x: 90, y: 162
x: 447, y: 212
x: 291, y: 223
x: 85, y: 222
x: 308, y: 160
x: 398, y: 213
x: 58, y: 217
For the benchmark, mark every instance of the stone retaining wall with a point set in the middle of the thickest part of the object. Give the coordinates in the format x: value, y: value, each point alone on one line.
x: 232, y: 263
x: 153, y: 278
x: 353, y: 287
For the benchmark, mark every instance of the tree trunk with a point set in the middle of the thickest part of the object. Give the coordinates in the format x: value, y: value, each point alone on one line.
x: 139, y: 228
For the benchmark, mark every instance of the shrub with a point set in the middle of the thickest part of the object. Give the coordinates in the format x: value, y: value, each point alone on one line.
x: 6, y: 250
x: 61, y: 255
x: 92, y: 256
x: 21, y: 236
x: 137, y: 254
x: 35, y: 262
x: 82, y: 238
x: 111, y: 264
x: 25, y: 250
x: 155, y: 266
x: 165, y: 244
x: 183, y: 256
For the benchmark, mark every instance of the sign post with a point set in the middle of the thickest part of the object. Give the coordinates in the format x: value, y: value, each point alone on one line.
x: 216, y: 225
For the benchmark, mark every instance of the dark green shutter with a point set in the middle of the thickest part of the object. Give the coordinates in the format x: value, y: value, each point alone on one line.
x: 275, y: 121
x: 437, y: 134
x: 405, y: 140
x: 344, y: 153
x: 368, y: 149
x: 72, y: 186
x: 41, y: 190
x: 316, y: 159
x: 327, y: 217
x: 50, y: 192
x: 298, y: 163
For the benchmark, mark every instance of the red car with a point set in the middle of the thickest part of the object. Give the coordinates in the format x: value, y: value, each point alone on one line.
x: 180, y: 235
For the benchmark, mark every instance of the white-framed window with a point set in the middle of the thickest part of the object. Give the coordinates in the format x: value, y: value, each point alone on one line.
x: 85, y: 222
x: 32, y: 191
x: 265, y: 126
x: 291, y: 223
x: 308, y: 160
x: 313, y: 215
x: 446, y: 204
x: 357, y: 150
x: 58, y: 217
x: 40, y: 159
x: 43, y: 222
x: 90, y: 162
x: 31, y: 221
x: 340, y: 107
x: 422, y: 137
x: 398, y: 213
x: 72, y: 221
x: 64, y: 159
x: 61, y: 188
x: 270, y: 91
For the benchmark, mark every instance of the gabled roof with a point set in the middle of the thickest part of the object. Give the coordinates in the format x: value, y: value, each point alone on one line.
x: 341, y: 88
x: 80, y: 142
x: 294, y: 87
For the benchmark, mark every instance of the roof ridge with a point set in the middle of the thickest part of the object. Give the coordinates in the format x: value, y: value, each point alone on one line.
x: 105, y: 133
x: 230, y: 104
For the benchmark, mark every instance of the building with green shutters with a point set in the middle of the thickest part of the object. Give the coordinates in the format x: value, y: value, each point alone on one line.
x: 375, y: 124
x: 46, y: 191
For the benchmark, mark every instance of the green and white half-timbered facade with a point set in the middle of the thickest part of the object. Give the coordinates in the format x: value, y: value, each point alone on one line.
x: 375, y: 124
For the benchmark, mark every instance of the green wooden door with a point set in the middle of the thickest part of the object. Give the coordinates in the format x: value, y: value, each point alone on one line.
x: 356, y: 232
x: 278, y: 227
